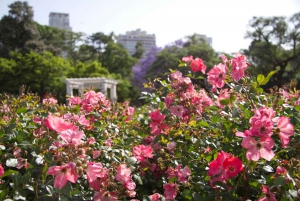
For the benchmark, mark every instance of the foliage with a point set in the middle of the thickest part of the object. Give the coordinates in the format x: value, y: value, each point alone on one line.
x: 234, y: 143
x: 41, y: 73
x: 53, y: 38
x: 168, y: 57
x: 275, y: 45
x: 118, y: 60
x: 18, y: 31
x: 139, y: 51
x: 93, y: 69
x: 139, y: 70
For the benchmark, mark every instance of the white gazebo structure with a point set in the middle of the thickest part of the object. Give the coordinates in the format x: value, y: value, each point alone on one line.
x: 107, y: 86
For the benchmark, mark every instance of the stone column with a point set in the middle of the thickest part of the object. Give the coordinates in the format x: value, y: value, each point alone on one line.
x: 104, y: 87
x: 81, y: 89
x: 113, y: 92
x: 68, y: 88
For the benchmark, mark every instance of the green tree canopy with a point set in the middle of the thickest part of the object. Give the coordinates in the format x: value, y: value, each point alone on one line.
x: 89, y: 69
x: 139, y: 51
x: 275, y: 45
x: 18, y: 31
x: 168, y: 57
x: 40, y: 73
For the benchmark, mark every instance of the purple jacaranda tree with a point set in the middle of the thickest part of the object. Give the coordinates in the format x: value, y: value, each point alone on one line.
x: 140, y: 69
x: 177, y: 43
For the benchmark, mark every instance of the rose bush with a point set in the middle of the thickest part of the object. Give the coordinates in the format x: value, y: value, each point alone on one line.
x: 229, y: 141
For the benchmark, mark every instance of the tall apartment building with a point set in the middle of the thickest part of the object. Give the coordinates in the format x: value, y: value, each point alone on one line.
x: 207, y: 39
x: 60, y: 20
x: 131, y: 38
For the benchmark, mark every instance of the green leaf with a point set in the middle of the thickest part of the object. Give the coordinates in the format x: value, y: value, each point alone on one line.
x: 214, y: 108
x: 26, y: 177
x: 3, y: 193
x: 21, y: 110
x: 260, y: 79
x: 49, y: 188
x: 254, y: 183
x: 238, y: 88
x: 280, y: 181
x: 215, y: 119
x: 232, y: 98
x: 31, y: 126
x: 297, y: 107
x: 63, y: 198
x: 269, y: 76
x: 129, y: 140
x: 259, y: 90
x: 208, y: 157
x: 48, y: 157
x: 8, y: 172
x: 203, y: 123
x: 146, y: 198
x: 66, y: 190
x: 138, y: 179
x: 187, y: 194
x: 20, y: 195
x: 225, y: 101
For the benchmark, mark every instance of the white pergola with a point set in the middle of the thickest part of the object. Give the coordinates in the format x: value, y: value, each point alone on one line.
x: 107, y: 86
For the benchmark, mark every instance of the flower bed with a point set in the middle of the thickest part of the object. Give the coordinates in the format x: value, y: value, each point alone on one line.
x: 229, y: 141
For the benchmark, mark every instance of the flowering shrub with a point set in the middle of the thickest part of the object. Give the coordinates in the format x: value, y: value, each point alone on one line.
x: 235, y: 142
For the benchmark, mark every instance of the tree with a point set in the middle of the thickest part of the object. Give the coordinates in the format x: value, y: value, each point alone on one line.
x: 40, y: 73
x: 7, y: 70
x: 139, y: 51
x: 117, y: 60
x: 18, y: 31
x: 168, y: 57
x: 99, y: 40
x: 275, y: 46
x: 139, y: 70
x: 52, y: 37
x: 89, y: 69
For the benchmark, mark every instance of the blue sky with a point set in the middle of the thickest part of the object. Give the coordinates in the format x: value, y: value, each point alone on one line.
x: 226, y: 21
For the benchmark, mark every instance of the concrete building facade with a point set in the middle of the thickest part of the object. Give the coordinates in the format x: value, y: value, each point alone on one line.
x: 60, y: 20
x: 130, y: 39
x: 207, y: 39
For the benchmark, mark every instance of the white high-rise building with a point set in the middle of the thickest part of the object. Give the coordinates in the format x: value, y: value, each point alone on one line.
x: 131, y: 38
x: 60, y: 20
x: 207, y: 39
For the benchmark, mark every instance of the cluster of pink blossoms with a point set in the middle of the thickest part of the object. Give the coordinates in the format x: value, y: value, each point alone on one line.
x: 224, y: 167
x: 49, y: 101
x: 269, y: 196
x: 196, y: 64
x: 185, y: 101
x: 142, y: 152
x: 157, y: 126
x: 128, y: 111
x: 124, y: 177
x: 217, y: 75
x: 73, y: 141
x: 91, y: 101
x: 182, y: 175
x: 258, y: 139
